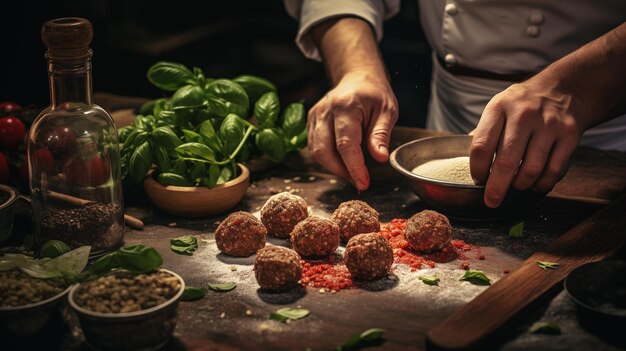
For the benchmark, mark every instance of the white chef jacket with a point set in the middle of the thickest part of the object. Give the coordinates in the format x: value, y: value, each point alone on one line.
x: 499, y: 36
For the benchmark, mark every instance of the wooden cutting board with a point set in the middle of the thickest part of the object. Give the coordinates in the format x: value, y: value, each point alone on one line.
x: 473, y: 326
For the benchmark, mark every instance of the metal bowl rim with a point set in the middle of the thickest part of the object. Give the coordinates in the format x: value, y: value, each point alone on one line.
x: 129, y: 315
x: 13, y: 195
x: 398, y: 167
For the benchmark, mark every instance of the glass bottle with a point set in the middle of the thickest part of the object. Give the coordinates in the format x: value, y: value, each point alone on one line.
x: 73, y: 152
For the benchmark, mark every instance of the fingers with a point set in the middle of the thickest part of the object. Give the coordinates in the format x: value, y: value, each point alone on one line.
x: 348, y: 136
x: 322, y: 143
x: 556, y: 165
x: 485, y: 142
x: 379, y: 133
x: 535, y: 159
x: 508, y: 157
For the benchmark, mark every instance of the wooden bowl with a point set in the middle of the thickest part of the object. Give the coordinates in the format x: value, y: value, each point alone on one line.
x: 191, y: 201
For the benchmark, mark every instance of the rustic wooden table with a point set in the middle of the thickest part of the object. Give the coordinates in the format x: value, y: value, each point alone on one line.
x: 401, y: 304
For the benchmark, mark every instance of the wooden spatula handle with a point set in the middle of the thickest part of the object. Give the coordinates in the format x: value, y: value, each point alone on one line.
x: 596, y: 238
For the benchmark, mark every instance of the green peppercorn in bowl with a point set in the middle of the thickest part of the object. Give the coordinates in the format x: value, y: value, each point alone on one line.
x: 126, y: 311
x: 27, y: 304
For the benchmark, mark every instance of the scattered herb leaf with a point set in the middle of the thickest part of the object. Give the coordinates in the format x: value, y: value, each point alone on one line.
x: 545, y: 328
x: 285, y: 314
x: 192, y: 293
x: 429, y: 280
x: 222, y: 287
x: 545, y: 265
x: 358, y: 340
x: 54, y: 248
x: 476, y: 277
x: 68, y: 265
x: 517, y: 231
x: 136, y: 258
x: 184, y: 245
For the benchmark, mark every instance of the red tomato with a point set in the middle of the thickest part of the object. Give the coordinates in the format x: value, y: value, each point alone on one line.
x: 60, y: 140
x: 4, y: 168
x: 90, y: 172
x: 10, y: 108
x: 12, y: 131
x: 43, y: 160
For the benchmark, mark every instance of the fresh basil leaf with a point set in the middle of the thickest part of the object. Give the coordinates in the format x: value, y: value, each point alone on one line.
x: 301, y: 139
x: 255, y: 86
x: 173, y: 179
x: 288, y: 313
x: 225, y: 175
x: 517, y: 231
x: 209, y: 136
x: 166, y: 137
x: 476, y: 277
x: 192, y: 293
x: 294, y: 120
x: 53, y: 248
x: 225, y: 96
x: 72, y: 262
x: 429, y: 280
x: 197, y: 150
x: 136, y: 258
x: 367, y: 337
x: 169, y: 76
x: 140, y: 162
x: 213, y: 175
x: 191, y: 136
x: 198, y: 171
x: 266, y: 110
x: 547, y: 265
x: 271, y: 144
x: 545, y: 328
x: 162, y: 159
x: 185, y: 245
x: 189, y: 96
x: 179, y: 167
x: 231, y: 133
x: 147, y: 108
x: 222, y: 287
x: 162, y: 108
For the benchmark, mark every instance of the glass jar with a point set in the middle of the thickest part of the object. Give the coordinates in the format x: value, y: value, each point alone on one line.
x: 73, y: 152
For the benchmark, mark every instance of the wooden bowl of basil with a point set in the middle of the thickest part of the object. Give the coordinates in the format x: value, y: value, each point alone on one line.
x: 198, y: 201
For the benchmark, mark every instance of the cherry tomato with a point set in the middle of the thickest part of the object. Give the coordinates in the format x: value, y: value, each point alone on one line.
x: 10, y: 108
x: 4, y: 168
x: 43, y: 161
x: 60, y: 140
x: 91, y: 172
x: 12, y: 131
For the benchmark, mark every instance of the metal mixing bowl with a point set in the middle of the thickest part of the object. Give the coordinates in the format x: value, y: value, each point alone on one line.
x: 461, y: 201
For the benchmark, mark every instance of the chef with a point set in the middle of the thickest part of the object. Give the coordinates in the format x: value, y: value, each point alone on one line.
x: 527, y: 78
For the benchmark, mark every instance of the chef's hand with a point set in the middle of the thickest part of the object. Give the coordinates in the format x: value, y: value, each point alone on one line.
x: 361, y: 106
x: 533, y: 127
x: 532, y: 131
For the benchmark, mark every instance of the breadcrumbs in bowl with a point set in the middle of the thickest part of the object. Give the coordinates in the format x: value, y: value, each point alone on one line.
x: 126, y: 311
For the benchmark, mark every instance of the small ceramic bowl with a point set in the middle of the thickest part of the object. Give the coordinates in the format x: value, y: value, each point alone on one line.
x: 148, y: 329
x: 461, y: 201
x: 198, y: 201
x: 30, y: 319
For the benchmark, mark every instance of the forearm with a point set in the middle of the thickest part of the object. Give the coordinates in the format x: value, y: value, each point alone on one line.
x: 348, y: 45
x: 595, y: 77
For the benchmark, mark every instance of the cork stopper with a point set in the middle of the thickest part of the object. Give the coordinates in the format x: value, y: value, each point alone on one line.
x: 67, y: 39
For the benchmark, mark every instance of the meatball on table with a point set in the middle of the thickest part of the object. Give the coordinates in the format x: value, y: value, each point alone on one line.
x: 398, y: 301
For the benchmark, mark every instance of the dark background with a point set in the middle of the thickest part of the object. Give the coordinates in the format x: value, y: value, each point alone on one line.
x: 224, y: 39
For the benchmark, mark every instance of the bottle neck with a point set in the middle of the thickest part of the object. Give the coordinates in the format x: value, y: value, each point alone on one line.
x: 70, y: 85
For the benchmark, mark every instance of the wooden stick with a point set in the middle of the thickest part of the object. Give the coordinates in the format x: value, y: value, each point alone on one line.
x: 595, y: 239
x: 131, y: 221
x: 585, y: 199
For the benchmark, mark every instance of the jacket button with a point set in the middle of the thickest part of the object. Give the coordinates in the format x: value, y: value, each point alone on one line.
x: 532, y: 31
x: 450, y: 59
x: 536, y: 18
x: 451, y: 8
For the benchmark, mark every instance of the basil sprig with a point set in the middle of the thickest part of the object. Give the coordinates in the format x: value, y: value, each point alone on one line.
x: 476, y: 277
x: 547, y: 265
x: 517, y: 231
x: 196, y: 136
x: 367, y: 337
x: 184, y: 245
x: 287, y: 314
x: 429, y: 280
x: 136, y: 258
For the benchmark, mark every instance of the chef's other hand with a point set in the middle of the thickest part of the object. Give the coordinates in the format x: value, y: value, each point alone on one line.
x: 360, y: 107
x: 532, y: 132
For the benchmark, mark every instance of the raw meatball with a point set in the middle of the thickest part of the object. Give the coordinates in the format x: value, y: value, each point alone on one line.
x: 428, y: 231
x: 241, y: 234
x: 355, y: 217
x: 277, y: 268
x: 281, y: 212
x: 315, y: 236
x: 368, y: 256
